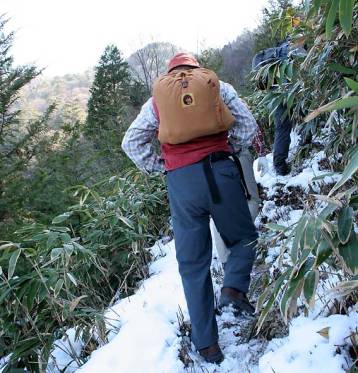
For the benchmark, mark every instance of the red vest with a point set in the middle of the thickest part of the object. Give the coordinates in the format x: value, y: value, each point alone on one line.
x: 180, y: 155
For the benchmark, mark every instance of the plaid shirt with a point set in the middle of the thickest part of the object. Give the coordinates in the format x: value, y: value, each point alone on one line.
x: 138, y: 140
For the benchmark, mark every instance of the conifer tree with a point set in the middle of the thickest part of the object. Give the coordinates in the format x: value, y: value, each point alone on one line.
x: 109, y: 99
x: 18, y: 139
x: 12, y: 79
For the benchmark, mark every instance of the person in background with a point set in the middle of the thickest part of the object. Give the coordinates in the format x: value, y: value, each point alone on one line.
x: 282, y: 121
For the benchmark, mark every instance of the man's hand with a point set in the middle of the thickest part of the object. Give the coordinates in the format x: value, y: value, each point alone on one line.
x: 262, y: 165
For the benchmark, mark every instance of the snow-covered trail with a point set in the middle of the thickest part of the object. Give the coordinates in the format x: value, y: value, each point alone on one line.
x: 146, y: 335
x: 149, y: 339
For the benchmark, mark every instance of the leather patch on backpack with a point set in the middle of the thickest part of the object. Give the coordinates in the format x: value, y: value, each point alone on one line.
x: 187, y: 99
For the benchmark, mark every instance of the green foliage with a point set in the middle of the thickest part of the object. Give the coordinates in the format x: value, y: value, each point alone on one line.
x: 210, y: 58
x: 31, y: 181
x: 319, y: 89
x: 107, y: 106
x: 64, y: 275
x: 17, y: 144
x: 315, y: 243
x: 276, y: 24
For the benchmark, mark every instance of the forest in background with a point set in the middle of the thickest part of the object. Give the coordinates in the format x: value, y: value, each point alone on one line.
x: 75, y: 214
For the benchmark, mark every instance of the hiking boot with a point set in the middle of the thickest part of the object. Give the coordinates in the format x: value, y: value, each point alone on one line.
x: 283, y: 169
x: 212, y: 354
x: 237, y: 299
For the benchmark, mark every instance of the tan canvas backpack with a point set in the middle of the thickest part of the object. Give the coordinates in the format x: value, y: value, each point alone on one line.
x: 190, y: 105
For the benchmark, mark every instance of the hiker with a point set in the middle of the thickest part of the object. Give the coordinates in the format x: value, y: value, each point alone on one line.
x: 282, y: 121
x: 202, y: 181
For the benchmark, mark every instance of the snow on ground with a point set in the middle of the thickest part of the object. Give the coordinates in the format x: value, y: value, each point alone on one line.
x: 149, y: 340
x: 306, y: 350
x: 65, y: 352
x: 145, y: 332
x: 3, y: 362
x: 304, y: 179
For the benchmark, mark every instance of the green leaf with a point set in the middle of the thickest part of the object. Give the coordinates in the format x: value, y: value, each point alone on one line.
x: 58, y: 287
x: 60, y: 229
x: 60, y: 218
x: 298, y: 233
x: 332, y: 14
x: 40, y: 236
x: 4, y: 294
x: 289, y: 72
x: 126, y: 221
x: 353, y: 202
x: 65, y: 237
x: 282, y: 72
x: 56, y: 252
x: 349, y: 254
x: 341, y: 69
x: 310, y: 231
x: 294, y: 286
x: 291, y: 97
x: 12, y: 263
x: 72, y: 278
x: 277, y: 287
x: 25, y: 346
x: 9, y: 245
x: 310, y: 285
x: 324, y: 251
x: 345, y: 222
x: 316, y: 5
x: 342, y: 103
x: 346, y: 15
x: 349, y: 171
x: 276, y: 227
x: 320, y: 177
x: 34, y: 287
x: 76, y: 302
x: 353, y: 85
x: 52, y: 238
x: 328, y: 210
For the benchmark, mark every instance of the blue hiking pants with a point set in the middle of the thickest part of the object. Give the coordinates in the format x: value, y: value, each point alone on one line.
x: 191, y: 206
x: 283, y: 127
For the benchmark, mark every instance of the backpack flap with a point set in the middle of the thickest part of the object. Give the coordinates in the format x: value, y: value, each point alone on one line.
x: 190, y: 105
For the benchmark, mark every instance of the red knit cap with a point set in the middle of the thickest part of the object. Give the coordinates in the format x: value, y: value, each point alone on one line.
x: 181, y: 59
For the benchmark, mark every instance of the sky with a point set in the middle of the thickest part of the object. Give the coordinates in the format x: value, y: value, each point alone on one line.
x: 68, y: 36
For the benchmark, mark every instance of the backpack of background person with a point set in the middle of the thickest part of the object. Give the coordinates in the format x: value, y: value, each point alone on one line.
x: 190, y: 106
x: 266, y: 56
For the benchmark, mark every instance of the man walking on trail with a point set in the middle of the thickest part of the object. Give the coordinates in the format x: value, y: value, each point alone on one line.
x: 193, y: 113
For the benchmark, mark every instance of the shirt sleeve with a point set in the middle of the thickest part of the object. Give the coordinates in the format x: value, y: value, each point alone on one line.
x: 138, y: 140
x: 245, y: 127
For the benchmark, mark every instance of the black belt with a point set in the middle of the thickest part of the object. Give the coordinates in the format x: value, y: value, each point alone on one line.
x: 213, y: 187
